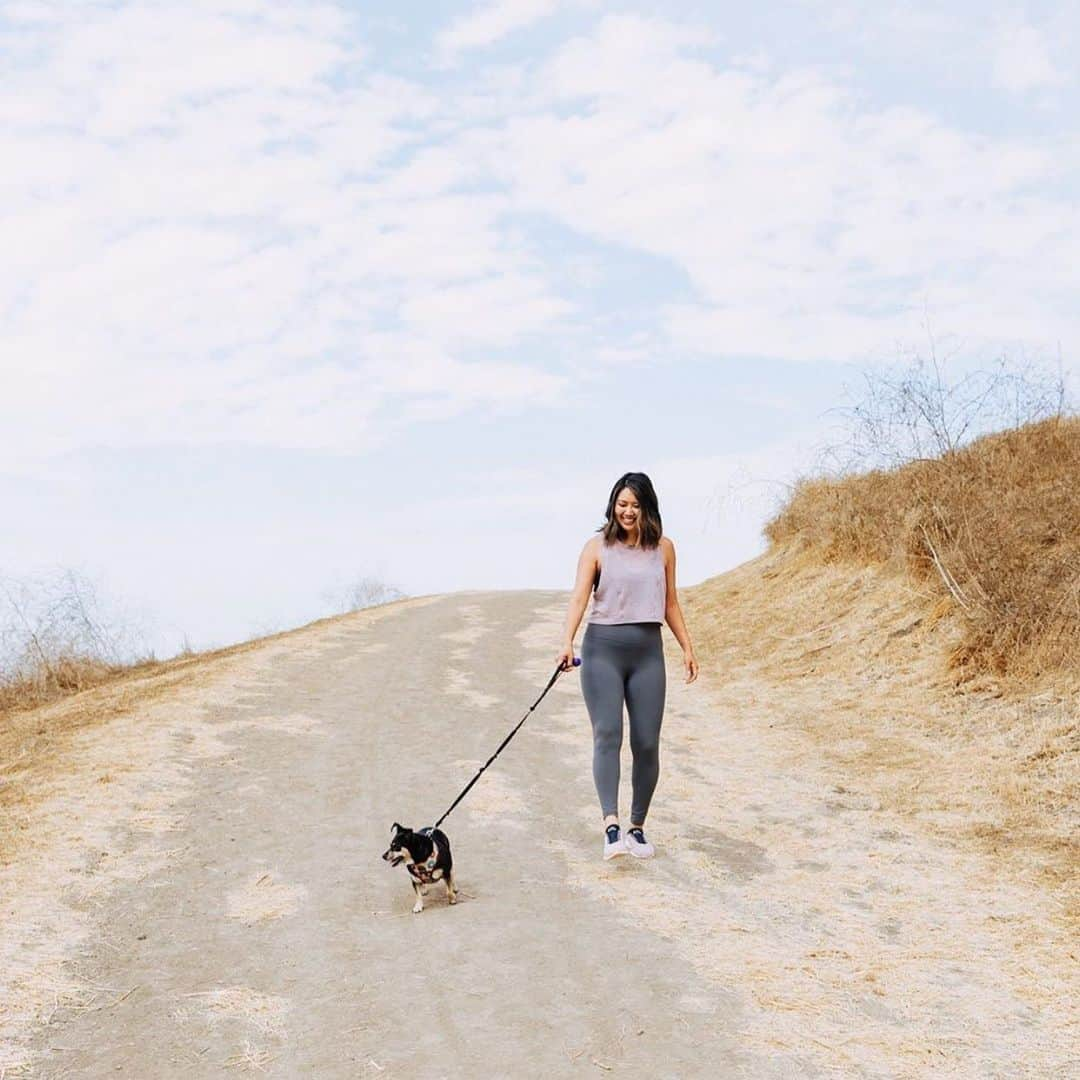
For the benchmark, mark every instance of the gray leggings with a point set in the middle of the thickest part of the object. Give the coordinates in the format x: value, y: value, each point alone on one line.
x: 624, y: 660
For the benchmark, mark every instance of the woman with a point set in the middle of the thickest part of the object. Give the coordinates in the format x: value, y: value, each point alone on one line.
x: 631, y: 568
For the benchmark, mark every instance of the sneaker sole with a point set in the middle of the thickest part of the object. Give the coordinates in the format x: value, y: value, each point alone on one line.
x: 637, y: 855
x: 616, y: 853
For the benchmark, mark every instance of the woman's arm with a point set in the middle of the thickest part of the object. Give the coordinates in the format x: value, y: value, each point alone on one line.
x: 588, y: 563
x: 673, y: 613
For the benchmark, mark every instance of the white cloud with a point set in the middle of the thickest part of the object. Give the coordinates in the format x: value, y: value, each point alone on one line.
x: 286, y: 243
x: 811, y: 224
x: 976, y: 46
x: 491, y: 22
x: 240, y: 248
x: 1022, y: 59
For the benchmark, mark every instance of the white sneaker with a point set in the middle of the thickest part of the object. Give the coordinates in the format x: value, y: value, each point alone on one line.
x: 613, y: 842
x: 636, y: 844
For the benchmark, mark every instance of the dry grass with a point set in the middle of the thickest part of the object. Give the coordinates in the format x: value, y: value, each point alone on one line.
x: 68, y: 674
x: 856, y: 657
x: 993, y: 527
x: 938, y: 601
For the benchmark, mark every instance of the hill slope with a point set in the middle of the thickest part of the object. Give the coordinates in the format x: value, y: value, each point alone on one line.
x: 923, y: 627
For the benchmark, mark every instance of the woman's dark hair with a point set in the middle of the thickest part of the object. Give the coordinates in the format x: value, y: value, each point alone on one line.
x: 650, y: 527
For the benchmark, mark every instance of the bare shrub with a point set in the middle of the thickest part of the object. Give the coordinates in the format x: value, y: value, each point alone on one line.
x: 364, y: 592
x: 992, y: 522
x: 925, y: 409
x: 57, y: 637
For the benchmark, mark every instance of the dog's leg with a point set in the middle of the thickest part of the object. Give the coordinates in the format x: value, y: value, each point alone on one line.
x: 451, y: 889
x: 419, y: 905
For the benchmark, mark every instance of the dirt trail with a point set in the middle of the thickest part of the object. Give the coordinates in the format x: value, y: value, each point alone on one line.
x: 205, y: 895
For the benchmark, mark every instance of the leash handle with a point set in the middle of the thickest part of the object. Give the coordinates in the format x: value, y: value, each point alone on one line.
x: 551, y: 682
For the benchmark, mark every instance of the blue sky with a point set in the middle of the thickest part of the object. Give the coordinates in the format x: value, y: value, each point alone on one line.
x: 299, y: 293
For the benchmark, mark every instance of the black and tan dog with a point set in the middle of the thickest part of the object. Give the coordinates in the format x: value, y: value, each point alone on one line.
x: 426, y: 855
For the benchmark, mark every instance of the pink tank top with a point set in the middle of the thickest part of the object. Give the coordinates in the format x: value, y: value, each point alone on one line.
x: 633, y: 585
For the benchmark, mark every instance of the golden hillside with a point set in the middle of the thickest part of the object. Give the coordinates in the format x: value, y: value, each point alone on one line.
x: 923, y: 625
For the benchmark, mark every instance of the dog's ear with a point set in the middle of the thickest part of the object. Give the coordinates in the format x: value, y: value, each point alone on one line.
x: 396, y: 828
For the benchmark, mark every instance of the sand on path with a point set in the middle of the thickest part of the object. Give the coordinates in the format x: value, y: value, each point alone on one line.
x: 205, y: 894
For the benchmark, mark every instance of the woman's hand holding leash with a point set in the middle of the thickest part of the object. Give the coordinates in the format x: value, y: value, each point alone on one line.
x: 566, y: 658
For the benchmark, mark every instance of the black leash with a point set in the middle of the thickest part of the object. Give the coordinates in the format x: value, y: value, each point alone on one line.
x: 551, y: 682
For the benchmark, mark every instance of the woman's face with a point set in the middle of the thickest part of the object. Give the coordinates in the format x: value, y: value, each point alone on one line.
x: 627, y: 510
